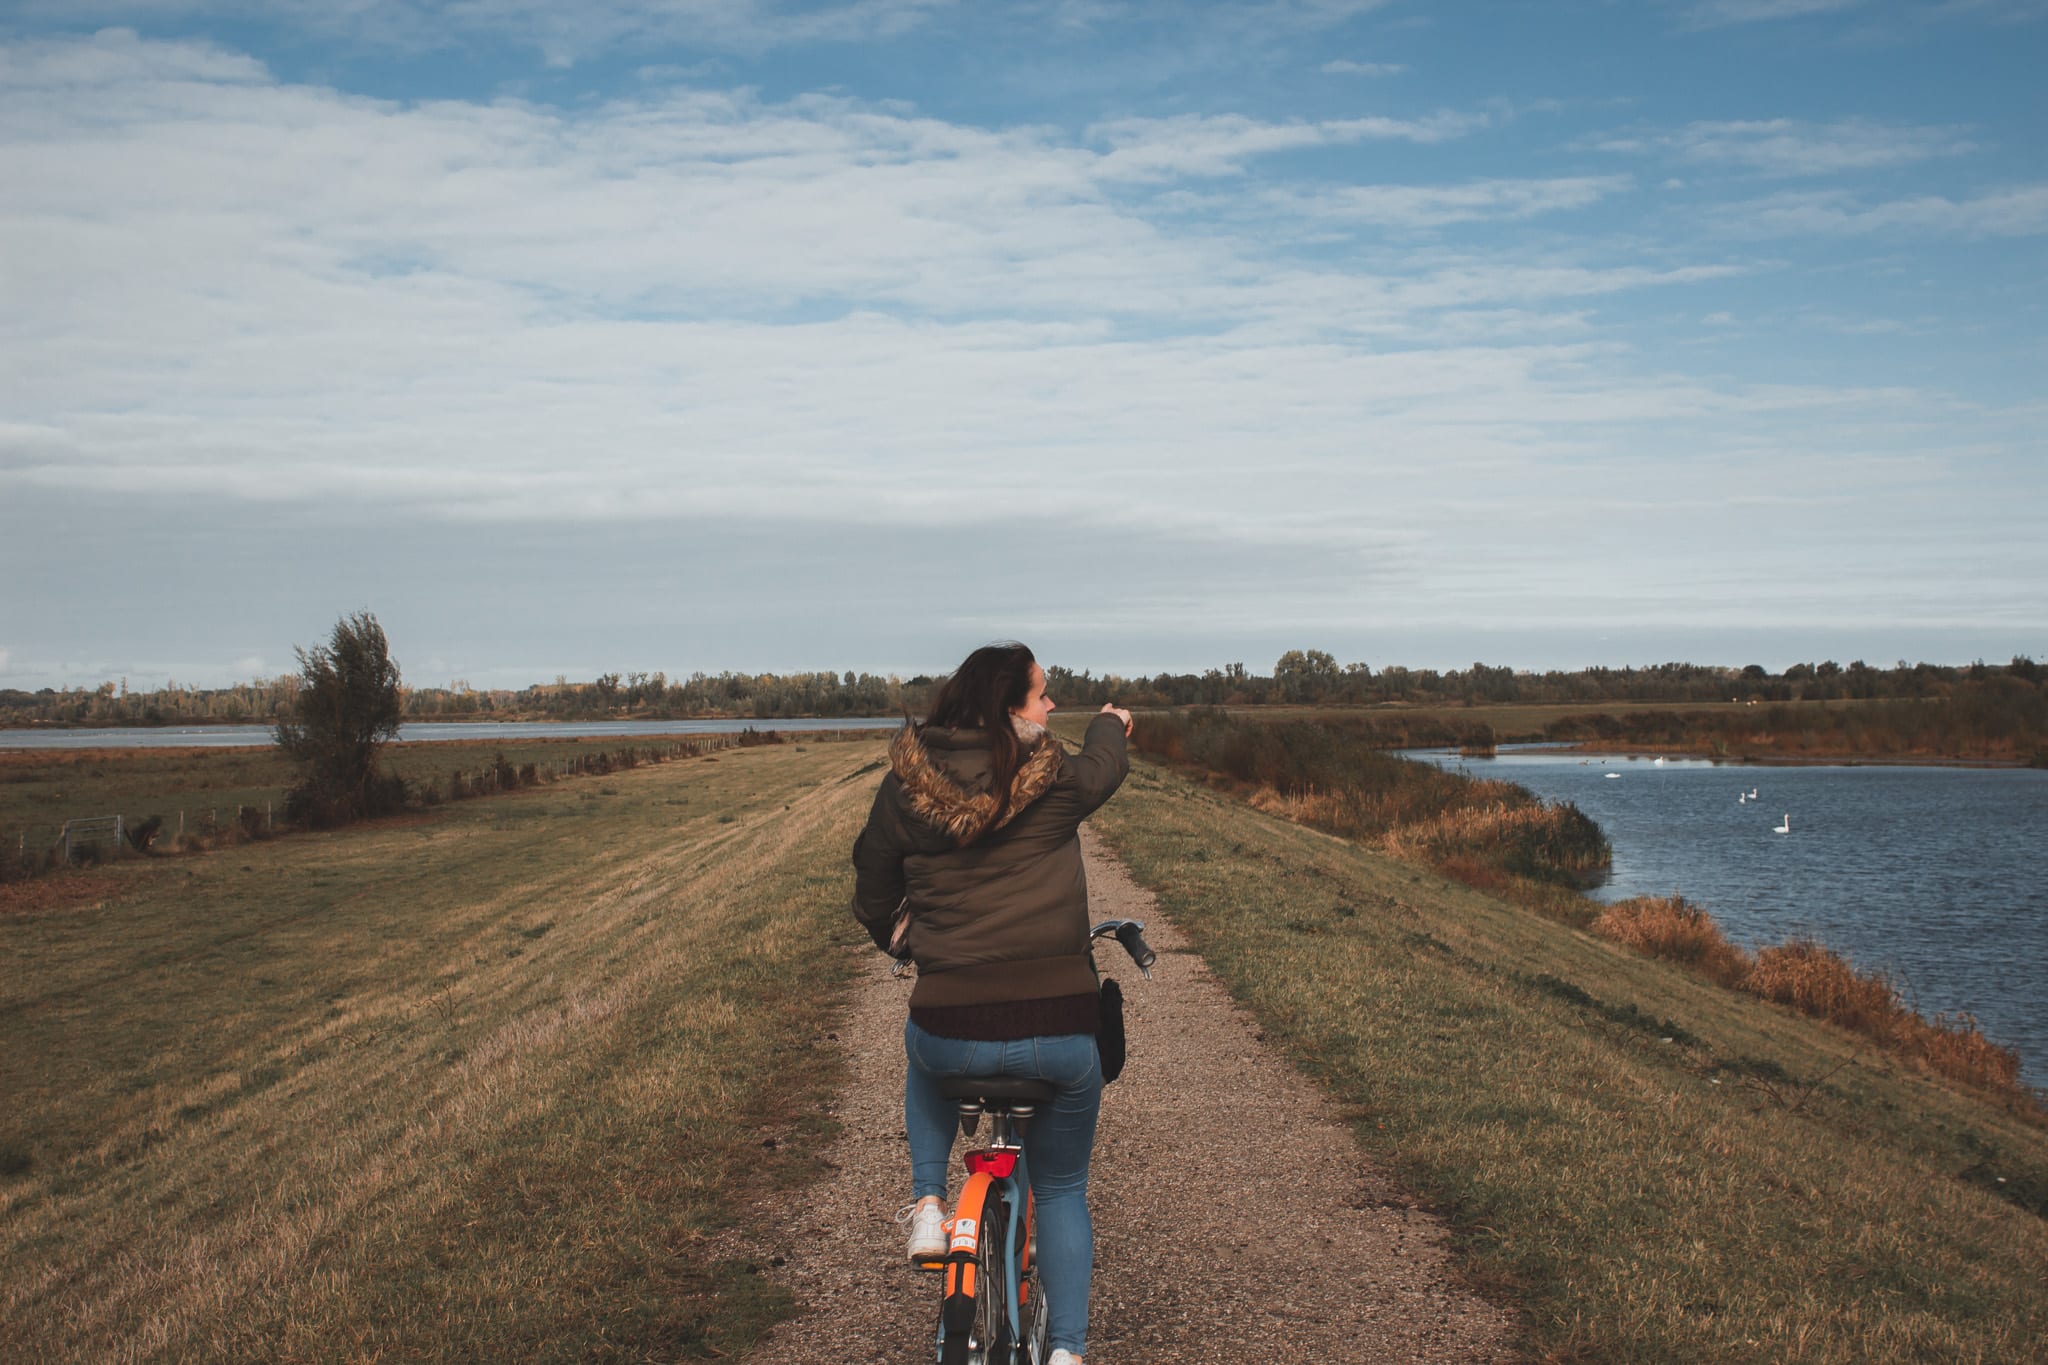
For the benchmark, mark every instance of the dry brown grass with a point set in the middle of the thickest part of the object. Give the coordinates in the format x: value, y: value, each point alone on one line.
x: 1673, y: 929
x: 491, y: 1084
x: 1819, y: 983
x: 1955, y: 1047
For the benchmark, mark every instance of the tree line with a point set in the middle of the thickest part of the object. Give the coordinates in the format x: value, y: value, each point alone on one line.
x: 1299, y: 677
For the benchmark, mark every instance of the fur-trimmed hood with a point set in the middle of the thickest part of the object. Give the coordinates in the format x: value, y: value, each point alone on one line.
x: 945, y: 776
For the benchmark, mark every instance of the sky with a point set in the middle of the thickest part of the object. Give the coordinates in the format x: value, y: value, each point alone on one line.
x: 735, y: 334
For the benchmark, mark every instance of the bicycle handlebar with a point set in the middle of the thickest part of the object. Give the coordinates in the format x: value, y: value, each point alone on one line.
x: 1130, y: 933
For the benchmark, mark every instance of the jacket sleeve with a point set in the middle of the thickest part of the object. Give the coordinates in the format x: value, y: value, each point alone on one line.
x: 878, y: 853
x: 1103, y: 763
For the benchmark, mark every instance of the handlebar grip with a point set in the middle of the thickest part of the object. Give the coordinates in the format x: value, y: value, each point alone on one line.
x: 1132, y: 935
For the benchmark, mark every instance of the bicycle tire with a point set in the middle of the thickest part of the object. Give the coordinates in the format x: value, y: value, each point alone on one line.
x: 1031, y: 1349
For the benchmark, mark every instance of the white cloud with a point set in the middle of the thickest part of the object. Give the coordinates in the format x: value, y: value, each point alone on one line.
x: 1790, y: 147
x: 1217, y: 145
x: 563, y: 34
x: 1718, y: 13
x: 1426, y: 206
x: 1711, y: 13
x: 2021, y: 211
x: 1344, y: 67
x: 701, y: 309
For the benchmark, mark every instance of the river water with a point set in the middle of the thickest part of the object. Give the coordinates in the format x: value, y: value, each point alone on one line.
x: 1933, y: 875
x: 250, y: 736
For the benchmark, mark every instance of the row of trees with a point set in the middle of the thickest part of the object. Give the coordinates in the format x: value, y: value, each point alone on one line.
x: 1299, y: 677
x: 1314, y: 677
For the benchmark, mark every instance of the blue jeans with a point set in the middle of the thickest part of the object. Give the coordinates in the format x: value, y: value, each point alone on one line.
x: 1057, y: 1144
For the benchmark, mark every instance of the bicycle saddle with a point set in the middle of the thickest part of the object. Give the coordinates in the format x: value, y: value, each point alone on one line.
x: 998, y: 1090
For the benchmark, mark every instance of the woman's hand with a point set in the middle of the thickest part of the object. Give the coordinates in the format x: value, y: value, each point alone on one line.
x: 1113, y: 709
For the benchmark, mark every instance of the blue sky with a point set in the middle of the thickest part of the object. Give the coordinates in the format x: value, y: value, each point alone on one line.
x: 672, y: 334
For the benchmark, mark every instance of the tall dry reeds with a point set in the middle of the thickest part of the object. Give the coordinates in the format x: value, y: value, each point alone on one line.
x: 1817, y: 982
x: 1495, y: 835
x: 1671, y: 928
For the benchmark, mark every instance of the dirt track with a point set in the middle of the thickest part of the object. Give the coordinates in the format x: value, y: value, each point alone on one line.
x: 1234, y: 1220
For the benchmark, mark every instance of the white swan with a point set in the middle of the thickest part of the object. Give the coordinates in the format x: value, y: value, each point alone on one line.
x: 1752, y: 793
x: 1610, y: 774
x: 1785, y: 828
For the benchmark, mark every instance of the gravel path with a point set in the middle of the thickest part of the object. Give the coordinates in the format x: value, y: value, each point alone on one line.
x: 1234, y: 1220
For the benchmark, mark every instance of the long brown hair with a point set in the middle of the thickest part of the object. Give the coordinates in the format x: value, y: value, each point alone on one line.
x: 990, y: 683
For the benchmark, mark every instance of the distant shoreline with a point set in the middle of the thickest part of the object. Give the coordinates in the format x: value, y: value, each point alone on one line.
x: 1632, y: 753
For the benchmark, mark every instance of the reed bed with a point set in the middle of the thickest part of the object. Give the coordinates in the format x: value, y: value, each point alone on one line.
x: 1820, y: 983
x: 1334, y: 776
x: 1671, y: 928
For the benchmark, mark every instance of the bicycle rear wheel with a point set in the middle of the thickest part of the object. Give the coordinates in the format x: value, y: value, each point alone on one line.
x: 1031, y: 1348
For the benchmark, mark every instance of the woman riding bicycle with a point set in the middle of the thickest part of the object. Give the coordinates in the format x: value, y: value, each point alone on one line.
x: 970, y: 865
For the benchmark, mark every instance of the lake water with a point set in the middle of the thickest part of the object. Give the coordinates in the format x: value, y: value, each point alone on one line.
x: 249, y: 736
x: 1931, y: 874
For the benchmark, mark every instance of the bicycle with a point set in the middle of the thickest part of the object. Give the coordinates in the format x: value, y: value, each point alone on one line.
x: 992, y: 1312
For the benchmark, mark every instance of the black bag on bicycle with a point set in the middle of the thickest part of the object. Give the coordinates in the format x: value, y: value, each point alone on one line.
x: 1109, y: 1030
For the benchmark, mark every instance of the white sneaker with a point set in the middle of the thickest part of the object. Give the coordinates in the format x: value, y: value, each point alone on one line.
x: 927, y: 1220
x: 1064, y: 1357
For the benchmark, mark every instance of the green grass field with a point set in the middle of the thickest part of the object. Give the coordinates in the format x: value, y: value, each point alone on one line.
x: 503, y: 1081
x: 490, y: 1083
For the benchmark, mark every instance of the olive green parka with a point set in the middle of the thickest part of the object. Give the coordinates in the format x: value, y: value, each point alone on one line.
x: 998, y: 907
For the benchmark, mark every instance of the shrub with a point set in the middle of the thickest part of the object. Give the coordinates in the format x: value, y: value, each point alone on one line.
x: 347, y: 707
x: 1335, y: 775
x: 1816, y: 981
x: 1670, y: 928
x: 1957, y: 1048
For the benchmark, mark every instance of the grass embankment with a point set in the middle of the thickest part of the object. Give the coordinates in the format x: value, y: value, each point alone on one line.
x: 1657, y: 1169
x: 202, y: 794
x: 489, y: 1083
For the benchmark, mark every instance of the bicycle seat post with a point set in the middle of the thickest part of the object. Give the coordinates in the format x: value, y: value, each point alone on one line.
x: 1006, y: 1121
